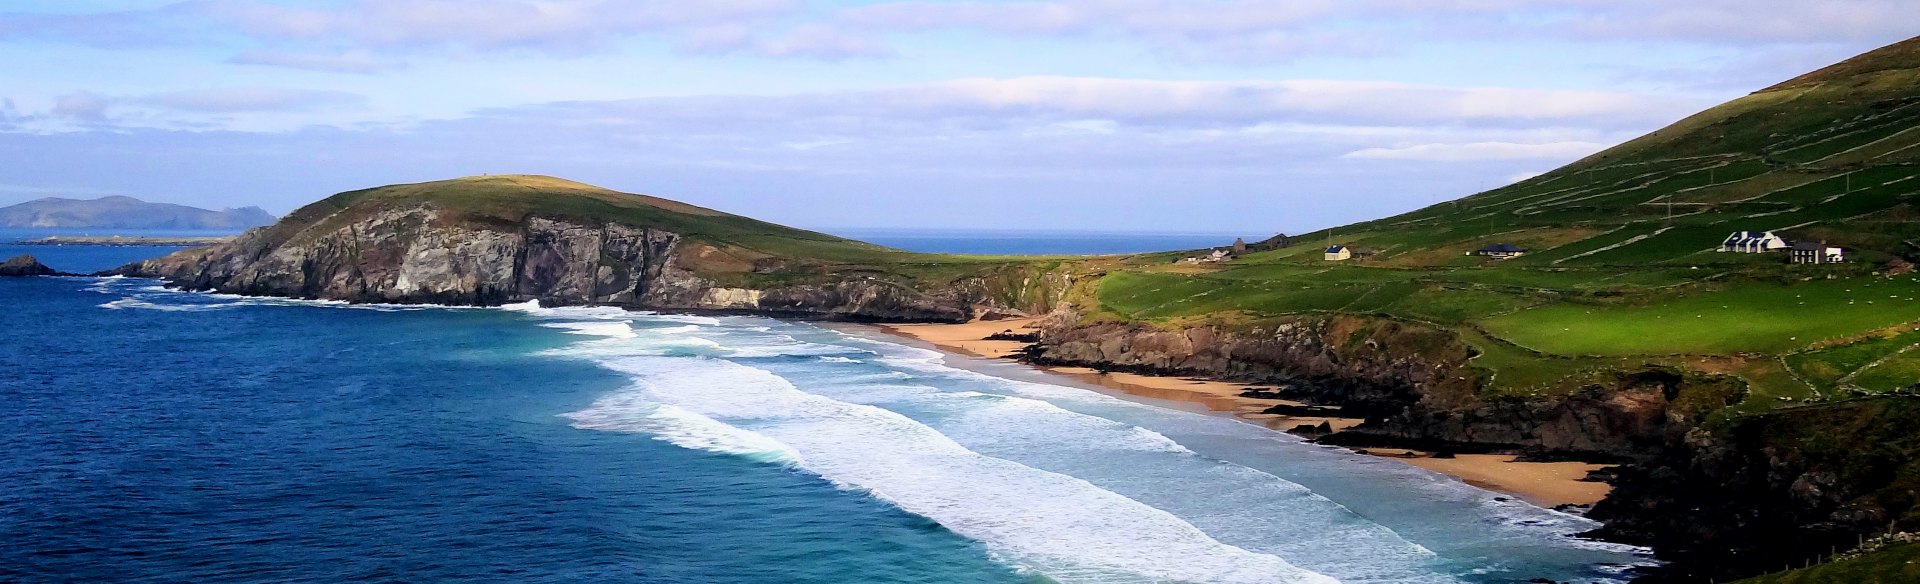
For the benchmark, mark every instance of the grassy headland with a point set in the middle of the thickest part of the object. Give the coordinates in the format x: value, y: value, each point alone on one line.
x: 1622, y: 267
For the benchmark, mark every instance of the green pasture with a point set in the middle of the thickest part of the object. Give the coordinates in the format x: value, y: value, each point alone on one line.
x: 1748, y: 317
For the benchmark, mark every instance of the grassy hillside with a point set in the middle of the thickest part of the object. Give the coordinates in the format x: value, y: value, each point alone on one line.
x: 729, y: 249
x: 1622, y: 268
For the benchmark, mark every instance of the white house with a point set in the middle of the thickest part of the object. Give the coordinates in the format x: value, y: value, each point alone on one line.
x: 1753, y: 242
x: 1808, y: 252
x: 1338, y: 253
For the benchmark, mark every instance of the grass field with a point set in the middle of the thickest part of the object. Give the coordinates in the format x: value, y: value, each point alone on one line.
x: 1753, y: 317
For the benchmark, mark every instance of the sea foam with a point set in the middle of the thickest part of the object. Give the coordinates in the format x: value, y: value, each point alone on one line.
x: 1056, y: 524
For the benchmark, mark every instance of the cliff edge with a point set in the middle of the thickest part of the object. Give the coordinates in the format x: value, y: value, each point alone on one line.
x: 493, y: 240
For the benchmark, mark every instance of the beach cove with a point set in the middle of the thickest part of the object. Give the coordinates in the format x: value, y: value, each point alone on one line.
x: 1548, y: 484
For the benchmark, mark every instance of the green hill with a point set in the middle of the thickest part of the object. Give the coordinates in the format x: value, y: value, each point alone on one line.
x: 1622, y: 267
x: 1830, y: 155
x: 510, y: 238
x: 734, y: 249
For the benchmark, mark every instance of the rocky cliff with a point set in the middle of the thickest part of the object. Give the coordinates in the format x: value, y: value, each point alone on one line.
x: 407, y: 247
x: 1758, y: 493
x: 1410, y: 381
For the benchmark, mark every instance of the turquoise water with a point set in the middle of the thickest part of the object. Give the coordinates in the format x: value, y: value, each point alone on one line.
x: 159, y: 436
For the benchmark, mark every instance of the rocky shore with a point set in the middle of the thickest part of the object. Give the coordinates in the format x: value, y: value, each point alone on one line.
x: 1718, y: 497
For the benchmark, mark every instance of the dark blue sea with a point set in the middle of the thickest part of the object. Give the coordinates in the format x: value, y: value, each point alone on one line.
x: 160, y: 436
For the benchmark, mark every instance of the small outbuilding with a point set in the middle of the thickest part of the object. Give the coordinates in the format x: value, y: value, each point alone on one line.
x: 1816, y: 252
x: 1501, y: 251
x: 1361, y: 252
x: 1753, y: 242
x: 1339, y: 253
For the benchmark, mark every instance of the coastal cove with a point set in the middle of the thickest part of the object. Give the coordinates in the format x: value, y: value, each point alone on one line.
x: 1543, y: 483
x: 741, y: 422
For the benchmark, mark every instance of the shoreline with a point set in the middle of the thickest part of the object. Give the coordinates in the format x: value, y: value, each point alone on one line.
x: 1546, y: 484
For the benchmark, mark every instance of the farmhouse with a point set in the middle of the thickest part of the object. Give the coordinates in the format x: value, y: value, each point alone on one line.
x: 1753, y: 242
x: 1810, y: 252
x: 1501, y: 251
x: 1217, y: 255
x: 1338, y: 253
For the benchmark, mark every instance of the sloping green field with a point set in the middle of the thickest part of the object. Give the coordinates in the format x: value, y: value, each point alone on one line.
x: 1622, y: 266
x: 1747, y: 318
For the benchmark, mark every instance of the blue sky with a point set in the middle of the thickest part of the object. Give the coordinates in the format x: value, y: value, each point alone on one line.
x: 1116, y: 115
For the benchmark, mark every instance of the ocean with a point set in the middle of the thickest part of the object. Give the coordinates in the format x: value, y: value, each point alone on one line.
x: 162, y: 436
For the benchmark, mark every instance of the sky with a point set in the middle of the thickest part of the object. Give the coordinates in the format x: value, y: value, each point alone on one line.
x: 1172, y: 116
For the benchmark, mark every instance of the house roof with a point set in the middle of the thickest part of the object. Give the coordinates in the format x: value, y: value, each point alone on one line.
x: 1502, y: 248
x: 1360, y: 249
x: 1336, y: 249
x: 1750, y: 236
x: 1809, y: 245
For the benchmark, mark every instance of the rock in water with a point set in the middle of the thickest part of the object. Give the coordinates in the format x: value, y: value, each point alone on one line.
x: 26, y: 265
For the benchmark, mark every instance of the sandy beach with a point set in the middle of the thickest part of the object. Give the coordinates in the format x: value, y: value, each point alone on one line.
x: 1546, y: 484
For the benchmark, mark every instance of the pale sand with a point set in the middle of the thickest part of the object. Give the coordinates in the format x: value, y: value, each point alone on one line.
x: 969, y: 338
x: 1542, y: 483
x: 1546, y: 484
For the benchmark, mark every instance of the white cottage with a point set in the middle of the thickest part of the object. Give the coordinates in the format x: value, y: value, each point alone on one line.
x: 1338, y: 253
x: 1753, y: 242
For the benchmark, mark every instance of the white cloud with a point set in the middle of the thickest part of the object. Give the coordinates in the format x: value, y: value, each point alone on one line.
x: 246, y: 99
x: 1250, y: 31
x: 1326, y: 101
x: 81, y: 106
x: 1477, y: 151
x: 356, y: 61
x: 563, y: 25
x: 198, y: 107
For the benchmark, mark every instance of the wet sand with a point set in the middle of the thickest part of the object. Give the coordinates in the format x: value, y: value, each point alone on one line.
x: 1546, y: 484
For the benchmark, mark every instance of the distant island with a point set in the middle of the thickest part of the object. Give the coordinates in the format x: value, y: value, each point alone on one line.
x: 118, y: 212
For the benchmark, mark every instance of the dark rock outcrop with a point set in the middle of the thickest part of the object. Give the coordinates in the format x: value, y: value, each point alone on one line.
x: 416, y: 255
x: 1761, y: 492
x: 26, y: 265
x: 1410, y: 381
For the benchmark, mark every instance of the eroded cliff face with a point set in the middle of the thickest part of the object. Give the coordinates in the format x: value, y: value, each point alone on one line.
x: 1758, y: 493
x: 414, y: 255
x: 1412, y: 382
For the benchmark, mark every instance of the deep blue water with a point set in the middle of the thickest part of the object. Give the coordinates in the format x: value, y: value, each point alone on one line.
x: 157, y: 436
x: 994, y: 242
x: 83, y: 259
